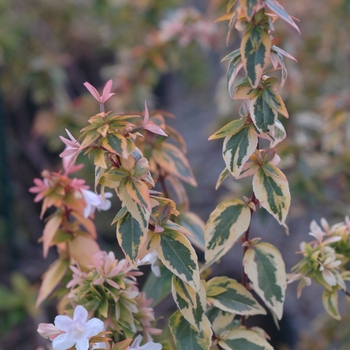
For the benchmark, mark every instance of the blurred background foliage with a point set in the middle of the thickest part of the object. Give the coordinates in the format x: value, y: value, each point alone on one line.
x: 150, y: 48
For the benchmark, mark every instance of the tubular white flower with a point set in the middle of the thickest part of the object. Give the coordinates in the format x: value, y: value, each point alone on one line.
x: 148, y: 346
x: 68, y: 332
x: 95, y: 201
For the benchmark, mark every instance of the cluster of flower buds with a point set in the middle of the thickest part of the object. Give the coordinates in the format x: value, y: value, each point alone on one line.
x: 109, y: 288
x: 325, y: 260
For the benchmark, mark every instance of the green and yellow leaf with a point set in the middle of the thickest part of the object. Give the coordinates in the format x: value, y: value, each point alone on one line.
x: 173, y: 161
x: 186, y: 337
x: 330, y: 303
x: 221, y: 321
x: 238, y: 147
x: 193, y: 223
x: 274, y: 100
x: 138, y: 192
x: 130, y: 237
x: 190, y: 303
x: 138, y: 212
x: 255, y: 50
x: 226, y: 224
x: 271, y: 189
x: 251, y: 7
x: 223, y: 175
x: 243, y: 339
x: 229, y: 295
x: 177, y: 254
x: 234, y: 68
x: 232, y: 127
x: 263, y: 116
x: 265, y: 268
x: 117, y: 144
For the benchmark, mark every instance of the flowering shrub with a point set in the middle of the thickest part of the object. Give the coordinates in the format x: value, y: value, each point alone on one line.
x: 133, y: 157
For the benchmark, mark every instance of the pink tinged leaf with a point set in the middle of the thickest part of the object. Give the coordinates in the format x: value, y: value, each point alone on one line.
x: 93, y: 91
x: 106, y: 93
x: 146, y: 118
x: 49, y: 232
x: 112, y: 283
x: 155, y: 129
x: 278, y: 9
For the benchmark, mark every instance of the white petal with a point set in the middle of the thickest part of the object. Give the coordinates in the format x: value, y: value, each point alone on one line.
x: 63, y: 342
x: 80, y: 314
x: 136, y: 343
x: 93, y: 327
x: 63, y: 323
x: 82, y: 344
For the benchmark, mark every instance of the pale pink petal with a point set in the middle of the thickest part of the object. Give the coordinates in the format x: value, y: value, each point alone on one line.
x: 48, y: 331
x: 93, y: 91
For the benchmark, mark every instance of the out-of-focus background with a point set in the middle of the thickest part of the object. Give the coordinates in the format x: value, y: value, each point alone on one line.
x: 168, y: 53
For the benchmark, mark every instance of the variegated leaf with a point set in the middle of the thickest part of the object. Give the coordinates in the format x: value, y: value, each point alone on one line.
x: 130, y: 237
x: 190, y: 303
x: 186, y: 337
x: 330, y: 303
x: 265, y: 268
x: 234, y: 67
x: 279, y: 134
x: 243, y: 339
x: 271, y: 189
x: 223, y: 175
x: 173, y: 161
x: 193, y: 223
x: 221, y: 321
x: 229, y: 295
x: 117, y: 144
x: 226, y: 224
x: 263, y: 116
x: 255, y: 49
x: 232, y: 55
x: 51, y: 278
x: 177, y: 254
x: 251, y: 7
x: 274, y: 100
x: 238, y: 147
x: 278, y: 9
x: 137, y: 211
x: 232, y: 127
x: 84, y: 257
x: 139, y: 192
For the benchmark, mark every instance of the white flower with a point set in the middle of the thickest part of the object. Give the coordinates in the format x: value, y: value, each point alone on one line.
x: 95, y: 201
x: 148, y: 346
x: 68, y: 332
x: 151, y: 259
